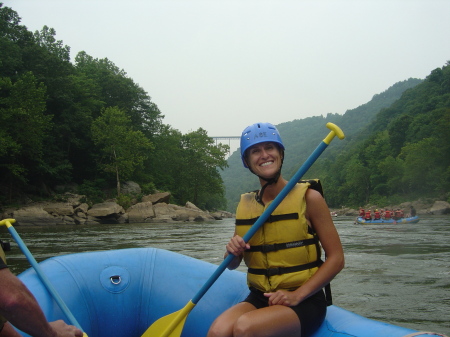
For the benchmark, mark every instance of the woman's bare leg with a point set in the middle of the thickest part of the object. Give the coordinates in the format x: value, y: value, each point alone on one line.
x: 272, y: 321
x: 224, y: 324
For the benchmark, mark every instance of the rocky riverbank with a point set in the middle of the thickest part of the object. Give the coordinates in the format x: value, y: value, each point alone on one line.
x: 154, y: 208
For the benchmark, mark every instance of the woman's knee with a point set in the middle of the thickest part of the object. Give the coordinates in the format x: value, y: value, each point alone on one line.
x: 244, y: 327
x: 219, y: 329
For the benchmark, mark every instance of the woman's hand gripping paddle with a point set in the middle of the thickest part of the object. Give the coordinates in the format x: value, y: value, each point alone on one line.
x: 37, y: 268
x: 172, y: 324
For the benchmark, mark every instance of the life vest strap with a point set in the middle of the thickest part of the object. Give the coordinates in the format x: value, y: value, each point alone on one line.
x: 278, y: 246
x: 283, y: 270
x: 270, y: 219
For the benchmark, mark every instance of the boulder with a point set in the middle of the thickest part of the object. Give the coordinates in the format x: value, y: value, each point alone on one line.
x: 192, y: 214
x: 59, y: 209
x: 156, y: 198
x: 440, y: 207
x: 107, y: 213
x: 123, y: 218
x: 220, y: 215
x: 130, y: 187
x: 170, y: 212
x: 67, y: 220
x: 163, y: 210
x: 80, y: 220
x: 163, y: 213
x: 191, y: 206
x: 34, y: 215
x: 105, y: 209
x: 141, y: 212
x: 73, y: 199
x: 81, y: 209
x: 91, y: 220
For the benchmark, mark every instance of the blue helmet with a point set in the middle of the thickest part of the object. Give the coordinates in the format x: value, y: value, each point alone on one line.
x: 259, y: 133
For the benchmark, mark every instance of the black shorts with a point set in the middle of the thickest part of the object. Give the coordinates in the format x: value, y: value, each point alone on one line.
x: 311, y: 311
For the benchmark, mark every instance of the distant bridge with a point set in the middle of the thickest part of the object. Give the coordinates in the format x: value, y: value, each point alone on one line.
x: 229, y: 139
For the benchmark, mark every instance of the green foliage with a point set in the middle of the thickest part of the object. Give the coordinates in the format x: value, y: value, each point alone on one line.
x: 23, y: 128
x: 123, y: 149
x: 94, y: 191
x: 199, y: 164
x: 89, y: 123
x: 148, y: 188
x: 125, y: 200
x: 409, y: 157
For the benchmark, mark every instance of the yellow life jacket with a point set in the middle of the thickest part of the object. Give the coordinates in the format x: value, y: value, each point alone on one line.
x: 284, y: 252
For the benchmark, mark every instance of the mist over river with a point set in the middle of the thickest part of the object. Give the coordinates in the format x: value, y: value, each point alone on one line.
x: 399, y: 274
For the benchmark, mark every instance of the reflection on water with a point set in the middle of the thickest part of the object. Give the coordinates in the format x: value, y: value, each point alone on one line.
x: 394, y: 273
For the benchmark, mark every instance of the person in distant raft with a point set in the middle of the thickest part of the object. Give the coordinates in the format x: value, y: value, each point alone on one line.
x: 285, y: 275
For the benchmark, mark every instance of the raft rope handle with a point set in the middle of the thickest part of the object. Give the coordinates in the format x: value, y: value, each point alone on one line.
x: 115, y: 279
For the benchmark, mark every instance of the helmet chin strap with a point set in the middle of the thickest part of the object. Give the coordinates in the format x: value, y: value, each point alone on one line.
x: 268, y: 181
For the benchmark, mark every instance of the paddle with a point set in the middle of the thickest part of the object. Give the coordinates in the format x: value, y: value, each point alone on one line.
x: 172, y: 324
x: 37, y: 268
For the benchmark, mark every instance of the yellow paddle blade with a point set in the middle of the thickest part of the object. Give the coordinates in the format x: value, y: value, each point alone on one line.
x: 170, y: 325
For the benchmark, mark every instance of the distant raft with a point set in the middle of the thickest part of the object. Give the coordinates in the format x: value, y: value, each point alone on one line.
x: 120, y: 293
x: 362, y: 221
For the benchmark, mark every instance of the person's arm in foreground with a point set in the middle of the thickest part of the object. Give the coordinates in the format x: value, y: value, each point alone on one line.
x: 319, y: 215
x: 20, y: 308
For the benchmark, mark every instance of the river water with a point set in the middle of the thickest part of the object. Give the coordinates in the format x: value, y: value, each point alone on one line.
x: 398, y: 274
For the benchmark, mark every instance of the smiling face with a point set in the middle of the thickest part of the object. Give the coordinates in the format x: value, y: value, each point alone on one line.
x: 264, y: 159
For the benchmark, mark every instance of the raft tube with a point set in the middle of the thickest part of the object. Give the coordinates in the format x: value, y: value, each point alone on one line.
x: 120, y: 293
x: 412, y: 219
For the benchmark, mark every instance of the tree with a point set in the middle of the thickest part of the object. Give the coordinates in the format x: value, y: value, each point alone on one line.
x: 200, y: 160
x: 357, y: 184
x: 23, y: 127
x: 13, y: 38
x: 423, y: 173
x: 164, y: 165
x: 123, y: 148
x: 116, y: 89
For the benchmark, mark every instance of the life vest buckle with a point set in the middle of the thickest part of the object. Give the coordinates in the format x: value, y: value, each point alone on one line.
x: 273, y: 271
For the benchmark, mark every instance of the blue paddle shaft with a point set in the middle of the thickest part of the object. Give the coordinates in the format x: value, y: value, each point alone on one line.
x: 44, y: 278
x: 274, y: 204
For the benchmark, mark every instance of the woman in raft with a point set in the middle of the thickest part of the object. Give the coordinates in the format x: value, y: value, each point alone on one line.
x: 285, y: 275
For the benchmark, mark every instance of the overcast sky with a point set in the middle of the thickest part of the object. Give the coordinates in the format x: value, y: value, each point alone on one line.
x: 222, y: 65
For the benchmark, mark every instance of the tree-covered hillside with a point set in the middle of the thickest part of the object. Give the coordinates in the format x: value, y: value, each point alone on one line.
x: 393, y: 144
x: 88, y: 125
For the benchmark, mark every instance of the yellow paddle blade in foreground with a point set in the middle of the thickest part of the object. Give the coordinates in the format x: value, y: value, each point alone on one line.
x: 170, y: 325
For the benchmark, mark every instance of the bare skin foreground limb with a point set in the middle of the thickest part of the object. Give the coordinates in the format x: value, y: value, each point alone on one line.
x: 19, y: 307
x: 244, y: 320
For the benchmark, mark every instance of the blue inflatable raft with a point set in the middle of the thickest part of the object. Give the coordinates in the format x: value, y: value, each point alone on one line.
x: 120, y: 293
x: 412, y: 219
